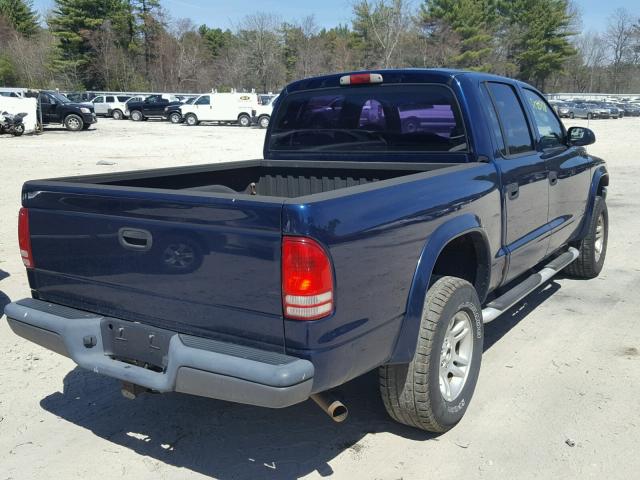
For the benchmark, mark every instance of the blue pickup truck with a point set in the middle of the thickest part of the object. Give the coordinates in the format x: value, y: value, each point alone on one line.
x: 394, y: 213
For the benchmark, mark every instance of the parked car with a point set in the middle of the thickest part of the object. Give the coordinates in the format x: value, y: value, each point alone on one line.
x: 631, y: 110
x: 151, y: 107
x: 264, y: 110
x: 588, y: 111
x: 565, y: 110
x: 56, y: 108
x: 612, y: 110
x: 350, y: 247
x: 107, y: 104
x: 221, y: 108
x: 173, y: 113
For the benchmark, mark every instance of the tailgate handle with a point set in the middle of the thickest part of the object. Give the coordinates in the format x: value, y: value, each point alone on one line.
x: 135, y: 239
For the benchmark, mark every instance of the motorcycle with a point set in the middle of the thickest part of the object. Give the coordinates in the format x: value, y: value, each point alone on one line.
x: 12, y: 123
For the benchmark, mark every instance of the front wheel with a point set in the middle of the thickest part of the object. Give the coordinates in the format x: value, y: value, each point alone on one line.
x: 175, y: 117
x: 593, y: 248
x: 263, y: 121
x: 433, y: 391
x: 73, y: 122
x: 244, y: 120
x: 191, y: 120
x: 136, y: 116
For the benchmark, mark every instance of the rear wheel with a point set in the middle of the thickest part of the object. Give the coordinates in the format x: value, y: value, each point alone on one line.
x: 117, y: 115
x: 18, y: 129
x: 593, y: 248
x: 434, y: 390
x: 136, y: 116
x: 191, y: 120
x: 244, y: 120
x: 73, y: 122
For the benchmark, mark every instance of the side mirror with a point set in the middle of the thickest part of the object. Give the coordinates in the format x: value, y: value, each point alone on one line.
x: 580, y: 136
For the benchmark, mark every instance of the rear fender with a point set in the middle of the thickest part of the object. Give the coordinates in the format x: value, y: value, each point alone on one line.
x: 408, y: 336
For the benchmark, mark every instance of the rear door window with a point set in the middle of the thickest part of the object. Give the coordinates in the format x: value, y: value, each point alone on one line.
x: 512, y: 118
x: 390, y: 118
x: 109, y: 100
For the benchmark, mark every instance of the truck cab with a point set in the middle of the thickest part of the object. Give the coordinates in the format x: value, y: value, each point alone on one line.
x: 57, y: 108
x: 151, y: 107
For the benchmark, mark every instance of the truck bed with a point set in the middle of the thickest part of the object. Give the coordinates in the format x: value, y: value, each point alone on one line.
x: 286, y: 179
x: 193, y: 249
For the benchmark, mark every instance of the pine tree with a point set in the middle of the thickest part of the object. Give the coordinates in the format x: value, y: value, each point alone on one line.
x: 473, y: 21
x: 537, y: 33
x: 74, y: 21
x: 20, y: 15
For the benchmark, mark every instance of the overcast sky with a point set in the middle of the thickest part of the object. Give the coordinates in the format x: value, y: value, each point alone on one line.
x: 328, y: 13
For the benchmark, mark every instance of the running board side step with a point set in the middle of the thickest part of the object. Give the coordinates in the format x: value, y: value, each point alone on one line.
x: 497, y: 307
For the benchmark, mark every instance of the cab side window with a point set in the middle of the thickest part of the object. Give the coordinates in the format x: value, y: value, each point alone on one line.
x: 512, y: 118
x: 547, y: 124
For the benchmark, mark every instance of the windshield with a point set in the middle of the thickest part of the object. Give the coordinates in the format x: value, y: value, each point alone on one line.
x: 394, y: 118
x: 59, y: 97
x: 190, y: 101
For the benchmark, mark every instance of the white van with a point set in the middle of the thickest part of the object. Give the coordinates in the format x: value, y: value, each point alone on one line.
x: 237, y: 108
x: 264, y: 110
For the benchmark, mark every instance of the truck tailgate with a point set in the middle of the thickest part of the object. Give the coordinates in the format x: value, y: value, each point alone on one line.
x: 197, y: 264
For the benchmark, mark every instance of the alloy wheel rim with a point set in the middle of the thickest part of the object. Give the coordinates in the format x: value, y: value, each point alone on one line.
x: 599, y: 241
x: 74, y: 123
x: 455, y: 356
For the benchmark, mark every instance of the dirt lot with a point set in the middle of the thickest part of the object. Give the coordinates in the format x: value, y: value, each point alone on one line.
x: 557, y: 397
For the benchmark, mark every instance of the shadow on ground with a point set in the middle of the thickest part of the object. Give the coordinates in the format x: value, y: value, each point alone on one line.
x: 225, y: 440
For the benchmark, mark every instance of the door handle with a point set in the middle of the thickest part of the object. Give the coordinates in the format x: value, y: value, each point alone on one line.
x: 513, y: 191
x: 135, y: 239
x: 553, y: 178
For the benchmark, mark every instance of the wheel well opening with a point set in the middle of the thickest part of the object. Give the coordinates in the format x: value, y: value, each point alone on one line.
x: 604, y: 182
x: 465, y: 257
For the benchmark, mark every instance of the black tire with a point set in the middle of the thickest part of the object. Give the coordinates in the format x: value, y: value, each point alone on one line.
x: 411, y: 392
x: 244, y: 120
x: 263, y: 121
x: 136, y: 115
x: 175, y: 117
x: 592, y: 253
x: 117, y: 115
x: 18, y: 130
x: 191, y: 120
x: 73, y: 122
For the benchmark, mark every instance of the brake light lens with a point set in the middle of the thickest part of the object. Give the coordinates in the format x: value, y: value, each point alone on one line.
x: 307, y: 279
x: 360, y: 79
x: 24, y: 238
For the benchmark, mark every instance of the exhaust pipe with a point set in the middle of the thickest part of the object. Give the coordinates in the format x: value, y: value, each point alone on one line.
x: 332, y: 407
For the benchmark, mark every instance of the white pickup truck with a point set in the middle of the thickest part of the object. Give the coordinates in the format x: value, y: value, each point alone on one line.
x: 222, y: 108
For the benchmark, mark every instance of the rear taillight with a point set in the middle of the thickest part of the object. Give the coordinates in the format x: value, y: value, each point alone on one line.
x: 307, y: 279
x: 24, y: 238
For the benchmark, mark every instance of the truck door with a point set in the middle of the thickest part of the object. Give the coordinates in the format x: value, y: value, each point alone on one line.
x: 48, y: 106
x: 524, y: 179
x: 569, y: 171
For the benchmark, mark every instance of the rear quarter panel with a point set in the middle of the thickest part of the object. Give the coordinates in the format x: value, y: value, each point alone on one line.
x: 375, y: 235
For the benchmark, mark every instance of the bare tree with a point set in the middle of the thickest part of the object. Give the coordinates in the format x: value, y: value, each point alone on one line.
x: 383, y: 23
x: 310, y: 50
x: 619, y: 39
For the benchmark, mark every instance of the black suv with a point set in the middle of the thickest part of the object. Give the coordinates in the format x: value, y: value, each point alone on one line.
x: 57, y: 108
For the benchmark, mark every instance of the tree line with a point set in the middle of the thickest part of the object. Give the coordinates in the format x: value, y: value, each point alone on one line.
x: 135, y: 45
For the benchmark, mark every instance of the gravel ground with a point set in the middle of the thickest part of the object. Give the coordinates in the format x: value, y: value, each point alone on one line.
x: 557, y: 396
